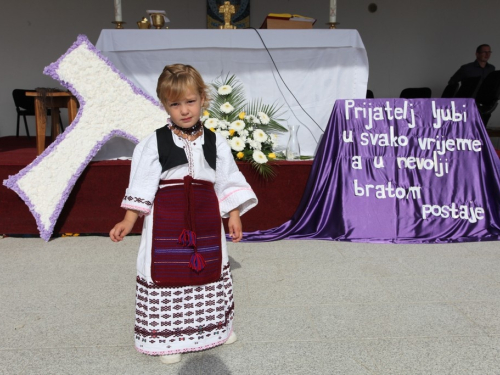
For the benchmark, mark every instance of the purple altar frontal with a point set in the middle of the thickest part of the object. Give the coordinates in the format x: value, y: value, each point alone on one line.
x: 400, y: 171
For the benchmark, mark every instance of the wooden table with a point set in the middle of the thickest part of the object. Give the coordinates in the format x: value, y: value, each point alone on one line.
x: 52, y: 101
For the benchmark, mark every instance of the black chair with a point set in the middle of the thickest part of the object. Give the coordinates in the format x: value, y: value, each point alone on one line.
x: 450, y: 90
x: 416, y: 93
x: 369, y: 94
x: 488, y: 95
x: 25, y: 106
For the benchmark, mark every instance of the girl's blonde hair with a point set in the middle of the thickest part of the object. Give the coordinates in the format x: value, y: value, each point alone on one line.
x: 176, y: 80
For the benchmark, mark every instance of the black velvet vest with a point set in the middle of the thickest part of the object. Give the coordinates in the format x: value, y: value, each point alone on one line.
x: 172, y: 156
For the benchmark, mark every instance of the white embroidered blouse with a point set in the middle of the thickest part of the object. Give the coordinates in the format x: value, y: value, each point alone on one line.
x: 230, y: 185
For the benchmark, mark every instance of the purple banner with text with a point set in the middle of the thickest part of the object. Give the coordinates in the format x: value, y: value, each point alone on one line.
x: 402, y: 171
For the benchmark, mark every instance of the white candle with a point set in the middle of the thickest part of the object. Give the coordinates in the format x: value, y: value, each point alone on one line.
x: 118, y: 10
x: 333, y: 10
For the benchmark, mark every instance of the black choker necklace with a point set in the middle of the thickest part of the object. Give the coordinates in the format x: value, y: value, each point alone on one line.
x: 188, y: 131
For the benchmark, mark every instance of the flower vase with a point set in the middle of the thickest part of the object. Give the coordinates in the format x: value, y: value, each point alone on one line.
x: 293, y: 147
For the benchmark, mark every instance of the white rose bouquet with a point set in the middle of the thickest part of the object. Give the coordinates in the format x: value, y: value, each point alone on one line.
x: 246, y: 126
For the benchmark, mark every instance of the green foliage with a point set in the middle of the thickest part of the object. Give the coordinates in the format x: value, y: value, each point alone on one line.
x: 266, y: 171
x: 272, y: 111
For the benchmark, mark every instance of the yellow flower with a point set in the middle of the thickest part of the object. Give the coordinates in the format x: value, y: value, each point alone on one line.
x: 240, y: 155
x: 212, y: 129
x: 205, y: 113
x: 242, y: 115
x: 231, y: 132
x: 271, y: 155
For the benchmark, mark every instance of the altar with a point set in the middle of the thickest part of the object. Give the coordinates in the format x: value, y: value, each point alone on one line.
x: 303, y: 70
x: 116, y: 108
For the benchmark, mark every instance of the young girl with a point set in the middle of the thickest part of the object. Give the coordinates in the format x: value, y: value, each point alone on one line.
x: 183, y: 179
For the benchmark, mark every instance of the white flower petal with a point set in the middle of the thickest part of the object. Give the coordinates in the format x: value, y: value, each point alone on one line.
x: 225, y: 90
x: 259, y: 157
x: 227, y: 107
x: 237, y: 144
x: 237, y: 125
x: 255, y: 145
x: 259, y: 135
x: 264, y: 119
x: 211, y: 123
x: 251, y: 119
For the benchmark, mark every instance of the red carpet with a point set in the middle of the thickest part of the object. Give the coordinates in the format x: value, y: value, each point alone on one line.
x: 94, y: 204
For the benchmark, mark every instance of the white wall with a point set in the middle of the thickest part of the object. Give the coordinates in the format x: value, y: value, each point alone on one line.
x: 409, y: 43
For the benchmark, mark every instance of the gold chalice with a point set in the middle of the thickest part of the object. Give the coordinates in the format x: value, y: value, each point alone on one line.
x: 158, y: 20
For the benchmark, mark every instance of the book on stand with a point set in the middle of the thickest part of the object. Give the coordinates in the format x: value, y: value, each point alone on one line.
x: 287, y: 21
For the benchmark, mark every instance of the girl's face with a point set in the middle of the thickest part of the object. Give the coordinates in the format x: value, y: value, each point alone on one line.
x: 185, y: 112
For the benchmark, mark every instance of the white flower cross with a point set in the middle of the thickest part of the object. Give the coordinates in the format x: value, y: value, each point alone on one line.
x: 105, y: 97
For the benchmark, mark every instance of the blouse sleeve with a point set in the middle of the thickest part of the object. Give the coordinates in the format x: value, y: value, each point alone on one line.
x: 231, y: 188
x: 145, y: 175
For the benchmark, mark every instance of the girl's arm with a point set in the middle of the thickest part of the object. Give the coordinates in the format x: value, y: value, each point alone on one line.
x: 234, y: 225
x: 124, y: 227
x: 230, y: 186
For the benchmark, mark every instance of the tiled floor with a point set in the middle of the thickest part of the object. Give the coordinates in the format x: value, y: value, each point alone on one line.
x: 302, y: 307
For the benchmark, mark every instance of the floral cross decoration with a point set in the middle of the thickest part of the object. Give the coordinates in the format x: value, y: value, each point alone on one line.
x: 105, y: 97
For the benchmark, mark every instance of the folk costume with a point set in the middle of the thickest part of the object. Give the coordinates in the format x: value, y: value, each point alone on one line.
x: 185, y: 318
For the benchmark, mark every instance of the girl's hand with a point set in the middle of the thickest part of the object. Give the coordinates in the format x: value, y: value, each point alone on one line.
x: 234, y: 226
x: 120, y: 230
x: 124, y: 227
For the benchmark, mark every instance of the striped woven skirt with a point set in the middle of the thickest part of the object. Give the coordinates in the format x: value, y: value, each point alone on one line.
x: 184, y: 318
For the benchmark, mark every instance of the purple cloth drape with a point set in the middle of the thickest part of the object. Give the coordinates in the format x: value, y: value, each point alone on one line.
x: 399, y: 171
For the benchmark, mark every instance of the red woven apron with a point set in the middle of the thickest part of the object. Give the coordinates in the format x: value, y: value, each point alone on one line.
x: 186, y: 246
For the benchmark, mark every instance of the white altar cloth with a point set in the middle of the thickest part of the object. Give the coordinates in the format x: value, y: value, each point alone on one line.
x: 318, y: 66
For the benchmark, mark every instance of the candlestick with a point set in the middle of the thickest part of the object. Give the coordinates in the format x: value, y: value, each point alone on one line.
x: 333, y: 11
x: 118, y: 11
x: 119, y: 24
